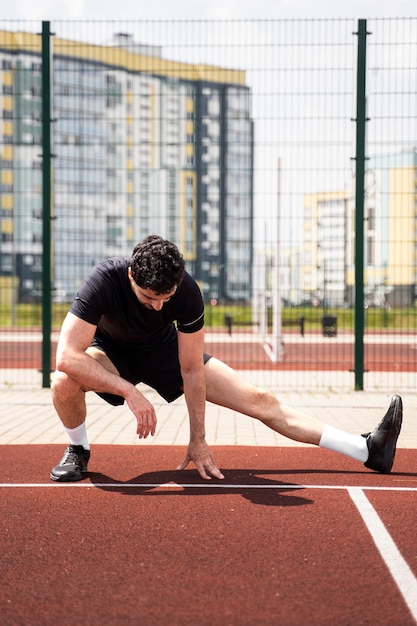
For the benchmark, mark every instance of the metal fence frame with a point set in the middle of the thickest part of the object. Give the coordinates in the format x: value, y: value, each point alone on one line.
x: 362, y: 33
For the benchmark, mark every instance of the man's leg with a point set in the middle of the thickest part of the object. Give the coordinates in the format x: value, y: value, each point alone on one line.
x: 227, y: 388
x: 69, y: 401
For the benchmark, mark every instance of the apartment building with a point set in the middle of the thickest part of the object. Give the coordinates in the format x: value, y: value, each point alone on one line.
x: 390, y: 237
x: 390, y: 231
x: 323, y: 271
x: 141, y: 144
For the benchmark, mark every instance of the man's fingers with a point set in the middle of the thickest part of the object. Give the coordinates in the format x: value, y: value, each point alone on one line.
x: 213, y: 470
x: 216, y: 473
x: 146, y: 426
x: 202, y: 472
x: 207, y: 469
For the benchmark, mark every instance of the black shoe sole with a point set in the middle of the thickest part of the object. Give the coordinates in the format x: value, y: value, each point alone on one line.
x: 68, y: 478
x: 390, y: 445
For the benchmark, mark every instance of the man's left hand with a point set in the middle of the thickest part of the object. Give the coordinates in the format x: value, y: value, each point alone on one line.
x: 200, y: 455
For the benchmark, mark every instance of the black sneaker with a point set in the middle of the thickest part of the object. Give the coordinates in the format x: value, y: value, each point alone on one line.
x: 72, y: 465
x: 382, y: 440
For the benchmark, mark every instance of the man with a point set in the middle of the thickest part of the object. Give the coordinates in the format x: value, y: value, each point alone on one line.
x: 120, y: 331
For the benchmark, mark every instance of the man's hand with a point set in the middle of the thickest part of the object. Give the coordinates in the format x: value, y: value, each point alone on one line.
x: 144, y: 412
x: 199, y: 453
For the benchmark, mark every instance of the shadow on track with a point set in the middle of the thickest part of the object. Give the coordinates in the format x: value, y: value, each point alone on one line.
x: 250, y: 484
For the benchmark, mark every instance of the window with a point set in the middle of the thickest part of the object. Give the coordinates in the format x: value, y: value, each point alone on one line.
x: 370, y: 251
x: 371, y: 218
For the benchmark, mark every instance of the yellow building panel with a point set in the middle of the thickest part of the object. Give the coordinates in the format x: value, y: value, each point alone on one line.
x: 350, y: 276
x: 189, y: 149
x: 129, y: 164
x: 8, y: 290
x: 189, y: 128
x: 7, y: 202
x: 7, y: 227
x: 129, y: 187
x: 7, y: 128
x: 8, y: 103
x: 129, y: 210
x: 401, y: 221
x: 20, y: 41
x: 7, y: 78
x: 7, y: 153
x: 375, y: 275
x: 117, y: 57
x: 189, y: 106
x: 7, y: 177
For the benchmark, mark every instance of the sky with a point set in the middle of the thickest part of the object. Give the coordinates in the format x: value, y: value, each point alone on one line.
x: 202, y: 9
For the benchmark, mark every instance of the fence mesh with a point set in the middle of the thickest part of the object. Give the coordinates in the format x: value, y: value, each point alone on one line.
x: 235, y: 139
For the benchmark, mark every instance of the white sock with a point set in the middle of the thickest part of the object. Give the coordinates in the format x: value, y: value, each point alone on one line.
x: 78, y: 436
x: 339, y: 441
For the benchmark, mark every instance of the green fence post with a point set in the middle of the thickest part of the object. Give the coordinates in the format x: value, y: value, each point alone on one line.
x: 46, y: 206
x: 359, y: 205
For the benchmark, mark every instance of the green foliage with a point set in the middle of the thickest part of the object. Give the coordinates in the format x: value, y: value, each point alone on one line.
x: 29, y: 316
x: 375, y: 318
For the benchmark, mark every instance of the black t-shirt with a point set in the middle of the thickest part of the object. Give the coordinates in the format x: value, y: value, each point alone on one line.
x: 106, y: 300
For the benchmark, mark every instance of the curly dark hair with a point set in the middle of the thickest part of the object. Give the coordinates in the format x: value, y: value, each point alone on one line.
x: 157, y: 264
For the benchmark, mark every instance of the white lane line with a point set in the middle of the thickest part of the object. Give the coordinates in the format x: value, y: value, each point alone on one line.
x: 398, y: 567
x: 208, y: 485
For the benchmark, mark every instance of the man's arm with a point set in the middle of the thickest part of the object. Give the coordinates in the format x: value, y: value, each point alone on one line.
x: 190, y: 352
x: 91, y: 375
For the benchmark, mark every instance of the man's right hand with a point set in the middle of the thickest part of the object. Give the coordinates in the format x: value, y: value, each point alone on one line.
x: 144, y: 412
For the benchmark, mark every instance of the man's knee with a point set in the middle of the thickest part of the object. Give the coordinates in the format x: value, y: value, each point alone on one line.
x: 267, y: 404
x: 63, y: 385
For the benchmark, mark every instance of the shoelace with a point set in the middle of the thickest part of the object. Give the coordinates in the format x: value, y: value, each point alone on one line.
x: 71, y: 458
x: 385, y: 421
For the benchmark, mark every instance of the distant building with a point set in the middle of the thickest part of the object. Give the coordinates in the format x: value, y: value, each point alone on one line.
x: 390, y: 259
x: 323, y: 271
x: 390, y: 238
x: 141, y: 145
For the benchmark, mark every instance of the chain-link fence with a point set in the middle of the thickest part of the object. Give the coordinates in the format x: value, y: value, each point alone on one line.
x: 286, y: 176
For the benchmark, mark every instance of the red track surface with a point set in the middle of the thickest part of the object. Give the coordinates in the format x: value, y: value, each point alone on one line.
x: 329, y: 355
x: 125, y: 547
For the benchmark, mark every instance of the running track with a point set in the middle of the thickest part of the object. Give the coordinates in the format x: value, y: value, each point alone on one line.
x: 293, y: 536
x: 24, y: 350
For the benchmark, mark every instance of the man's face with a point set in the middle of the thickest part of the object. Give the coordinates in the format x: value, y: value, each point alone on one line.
x: 149, y: 298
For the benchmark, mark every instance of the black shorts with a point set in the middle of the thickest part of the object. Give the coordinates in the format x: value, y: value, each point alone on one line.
x: 160, y: 369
